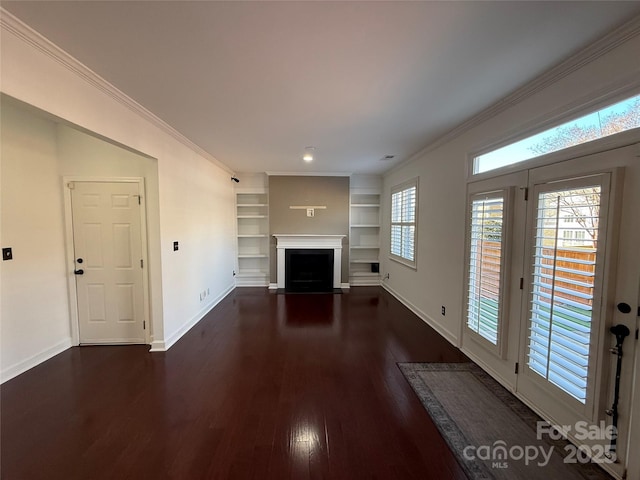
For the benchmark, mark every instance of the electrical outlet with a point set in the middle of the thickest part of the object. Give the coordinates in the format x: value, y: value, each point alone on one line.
x: 443, y: 310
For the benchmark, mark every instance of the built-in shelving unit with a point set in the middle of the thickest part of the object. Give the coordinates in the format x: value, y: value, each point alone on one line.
x: 364, y: 235
x: 252, y: 217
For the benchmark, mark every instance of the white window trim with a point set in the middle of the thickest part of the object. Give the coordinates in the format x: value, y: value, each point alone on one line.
x: 414, y: 182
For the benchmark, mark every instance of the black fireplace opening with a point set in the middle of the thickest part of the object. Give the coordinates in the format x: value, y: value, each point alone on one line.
x: 308, y: 270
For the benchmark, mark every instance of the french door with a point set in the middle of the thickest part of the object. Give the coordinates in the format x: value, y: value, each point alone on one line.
x: 566, y: 274
x: 496, y: 216
x: 567, y: 255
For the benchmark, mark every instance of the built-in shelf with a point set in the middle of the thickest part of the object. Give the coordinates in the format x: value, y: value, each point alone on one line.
x: 252, y: 218
x: 364, y: 250
x: 363, y: 274
x: 249, y: 273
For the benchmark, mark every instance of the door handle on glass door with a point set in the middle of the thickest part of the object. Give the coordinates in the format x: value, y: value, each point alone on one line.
x: 624, y: 307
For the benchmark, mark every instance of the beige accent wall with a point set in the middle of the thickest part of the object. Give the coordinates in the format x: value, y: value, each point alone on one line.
x: 285, y: 191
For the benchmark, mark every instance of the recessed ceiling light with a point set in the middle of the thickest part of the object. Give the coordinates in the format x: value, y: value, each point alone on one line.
x: 308, y: 154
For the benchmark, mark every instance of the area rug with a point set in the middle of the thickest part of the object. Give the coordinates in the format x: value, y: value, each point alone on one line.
x: 492, y: 434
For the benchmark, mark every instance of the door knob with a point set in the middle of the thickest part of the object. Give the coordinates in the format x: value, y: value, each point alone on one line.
x: 79, y: 260
x: 79, y: 272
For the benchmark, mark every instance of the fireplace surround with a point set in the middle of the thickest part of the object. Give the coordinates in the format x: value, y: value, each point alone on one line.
x: 312, y: 243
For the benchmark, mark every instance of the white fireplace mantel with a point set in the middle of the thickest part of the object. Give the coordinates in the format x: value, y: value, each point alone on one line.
x: 309, y: 241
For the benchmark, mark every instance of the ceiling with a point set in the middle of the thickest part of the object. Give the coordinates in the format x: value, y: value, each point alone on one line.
x: 254, y: 83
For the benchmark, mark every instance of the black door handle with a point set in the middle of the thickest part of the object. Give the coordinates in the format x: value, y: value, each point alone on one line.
x: 79, y: 272
x: 624, y: 307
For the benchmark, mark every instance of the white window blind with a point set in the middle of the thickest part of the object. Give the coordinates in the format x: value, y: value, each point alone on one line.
x: 486, y: 247
x: 563, y: 288
x: 403, y: 222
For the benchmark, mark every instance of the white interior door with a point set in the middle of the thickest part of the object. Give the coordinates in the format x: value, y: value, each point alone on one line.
x: 108, y: 262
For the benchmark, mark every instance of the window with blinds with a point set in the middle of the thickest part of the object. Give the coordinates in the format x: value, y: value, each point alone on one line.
x: 485, y: 264
x: 564, y: 268
x: 404, y: 199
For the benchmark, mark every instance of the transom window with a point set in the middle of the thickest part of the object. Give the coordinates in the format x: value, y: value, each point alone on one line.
x: 404, y: 200
x: 613, y: 119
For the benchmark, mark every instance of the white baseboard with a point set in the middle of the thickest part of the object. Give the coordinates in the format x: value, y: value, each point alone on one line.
x: 345, y: 285
x: 163, y: 346
x: 423, y: 316
x: 158, y: 346
x: 34, y: 360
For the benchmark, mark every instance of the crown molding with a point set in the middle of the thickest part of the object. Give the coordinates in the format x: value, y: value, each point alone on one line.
x: 28, y: 35
x: 581, y: 58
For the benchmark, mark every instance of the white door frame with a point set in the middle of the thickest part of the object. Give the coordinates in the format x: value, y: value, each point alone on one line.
x: 70, y: 251
x: 500, y: 364
x: 561, y: 414
x: 634, y: 422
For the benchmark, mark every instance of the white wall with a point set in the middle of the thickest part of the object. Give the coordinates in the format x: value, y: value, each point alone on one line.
x: 195, y: 203
x: 440, y: 243
x: 198, y: 210
x: 35, y: 311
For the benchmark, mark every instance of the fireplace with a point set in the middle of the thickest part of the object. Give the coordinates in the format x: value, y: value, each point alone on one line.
x: 316, y: 261
x: 308, y: 270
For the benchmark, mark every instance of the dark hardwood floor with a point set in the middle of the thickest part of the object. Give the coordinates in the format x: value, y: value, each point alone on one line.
x: 266, y: 386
